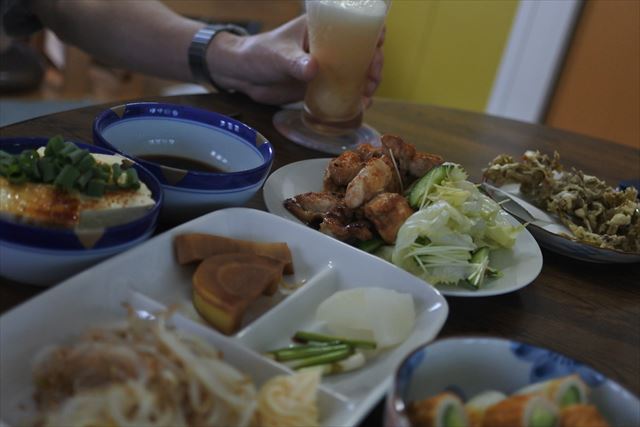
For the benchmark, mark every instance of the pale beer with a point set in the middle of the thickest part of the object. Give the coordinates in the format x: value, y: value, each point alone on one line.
x: 342, y: 37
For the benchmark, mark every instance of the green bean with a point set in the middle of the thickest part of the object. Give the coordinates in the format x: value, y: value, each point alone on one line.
x: 312, y: 336
x: 306, y: 352
x: 323, y: 359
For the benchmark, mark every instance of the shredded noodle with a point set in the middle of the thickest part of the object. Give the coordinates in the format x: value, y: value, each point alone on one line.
x: 145, y: 373
x: 289, y: 401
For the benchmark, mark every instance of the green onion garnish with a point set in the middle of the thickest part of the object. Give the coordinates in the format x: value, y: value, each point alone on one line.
x: 86, y: 163
x: 95, y: 188
x: 67, y: 177
x: 47, y: 169
x: 67, y: 166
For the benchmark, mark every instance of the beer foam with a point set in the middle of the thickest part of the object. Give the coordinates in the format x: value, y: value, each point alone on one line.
x: 365, y: 7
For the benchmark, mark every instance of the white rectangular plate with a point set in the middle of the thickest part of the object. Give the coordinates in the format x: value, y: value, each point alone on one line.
x: 148, y: 277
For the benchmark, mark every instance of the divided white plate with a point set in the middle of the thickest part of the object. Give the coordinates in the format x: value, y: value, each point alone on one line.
x: 551, y: 236
x: 148, y: 277
x: 519, y: 266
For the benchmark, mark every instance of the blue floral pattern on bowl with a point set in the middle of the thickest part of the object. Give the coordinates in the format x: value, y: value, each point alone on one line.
x: 468, y: 366
x: 406, y: 369
x: 547, y: 364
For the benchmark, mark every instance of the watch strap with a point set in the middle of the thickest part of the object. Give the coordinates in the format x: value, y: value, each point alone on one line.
x: 198, y: 51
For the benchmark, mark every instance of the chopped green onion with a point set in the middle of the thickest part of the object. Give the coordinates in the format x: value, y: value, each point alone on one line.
x: 86, y: 163
x: 67, y: 177
x: 77, y: 155
x: 47, y: 169
x: 54, y: 146
x: 95, y: 188
x: 133, y: 182
x: 84, y: 179
x: 67, y: 166
x: 116, y: 171
x: 17, y: 177
x: 69, y: 147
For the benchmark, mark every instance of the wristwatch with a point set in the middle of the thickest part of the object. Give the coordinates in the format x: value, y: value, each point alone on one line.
x: 198, y: 51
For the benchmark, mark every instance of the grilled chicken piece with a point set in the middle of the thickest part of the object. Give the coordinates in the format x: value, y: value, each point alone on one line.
x: 311, y: 207
x: 343, y: 168
x: 388, y: 211
x: 377, y: 176
x: 361, y: 191
x: 412, y: 163
x: 368, y: 151
x: 329, y: 186
x: 423, y: 163
x: 402, y: 152
x: 342, y: 230
x: 346, y: 224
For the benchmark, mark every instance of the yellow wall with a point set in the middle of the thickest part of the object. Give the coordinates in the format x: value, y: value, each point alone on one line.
x: 445, y: 52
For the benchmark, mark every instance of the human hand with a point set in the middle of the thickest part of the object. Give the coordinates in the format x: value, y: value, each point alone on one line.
x: 271, y: 67
x: 374, y: 76
x: 275, y: 67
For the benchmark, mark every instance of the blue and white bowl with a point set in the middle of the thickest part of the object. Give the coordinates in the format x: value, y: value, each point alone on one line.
x: 149, y: 128
x: 45, y: 256
x: 469, y: 366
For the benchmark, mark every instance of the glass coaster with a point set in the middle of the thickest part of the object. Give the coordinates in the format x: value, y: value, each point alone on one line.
x: 289, y: 123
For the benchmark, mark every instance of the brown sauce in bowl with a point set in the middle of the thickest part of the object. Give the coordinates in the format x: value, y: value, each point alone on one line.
x: 179, y: 162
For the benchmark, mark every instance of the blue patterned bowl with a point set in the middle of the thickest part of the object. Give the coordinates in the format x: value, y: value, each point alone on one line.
x: 469, y: 366
x: 154, y: 129
x: 45, y: 256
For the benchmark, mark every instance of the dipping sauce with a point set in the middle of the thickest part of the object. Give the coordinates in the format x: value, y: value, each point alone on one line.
x: 179, y: 162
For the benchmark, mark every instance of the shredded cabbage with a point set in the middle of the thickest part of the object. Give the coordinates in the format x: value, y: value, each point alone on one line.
x: 437, y: 242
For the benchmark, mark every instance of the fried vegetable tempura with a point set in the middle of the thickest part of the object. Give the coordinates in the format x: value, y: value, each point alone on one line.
x: 596, y: 213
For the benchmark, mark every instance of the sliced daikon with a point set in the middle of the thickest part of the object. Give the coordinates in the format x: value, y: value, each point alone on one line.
x: 382, y: 315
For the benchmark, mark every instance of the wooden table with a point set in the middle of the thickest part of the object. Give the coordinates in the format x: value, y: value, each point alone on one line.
x: 589, y: 312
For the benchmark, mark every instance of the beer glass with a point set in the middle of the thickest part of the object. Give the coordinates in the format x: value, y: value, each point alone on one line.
x: 343, y: 35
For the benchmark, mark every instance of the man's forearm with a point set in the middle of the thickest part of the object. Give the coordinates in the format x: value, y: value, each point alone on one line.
x: 142, y: 35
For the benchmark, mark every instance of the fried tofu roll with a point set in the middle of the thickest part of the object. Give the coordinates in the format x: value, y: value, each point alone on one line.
x: 478, y: 405
x: 443, y: 410
x: 528, y: 410
x: 582, y: 416
x: 564, y: 391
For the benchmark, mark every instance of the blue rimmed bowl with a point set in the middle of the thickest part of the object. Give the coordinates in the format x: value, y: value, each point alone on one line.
x: 469, y: 366
x: 45, y: 256
x: 144, y: 129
